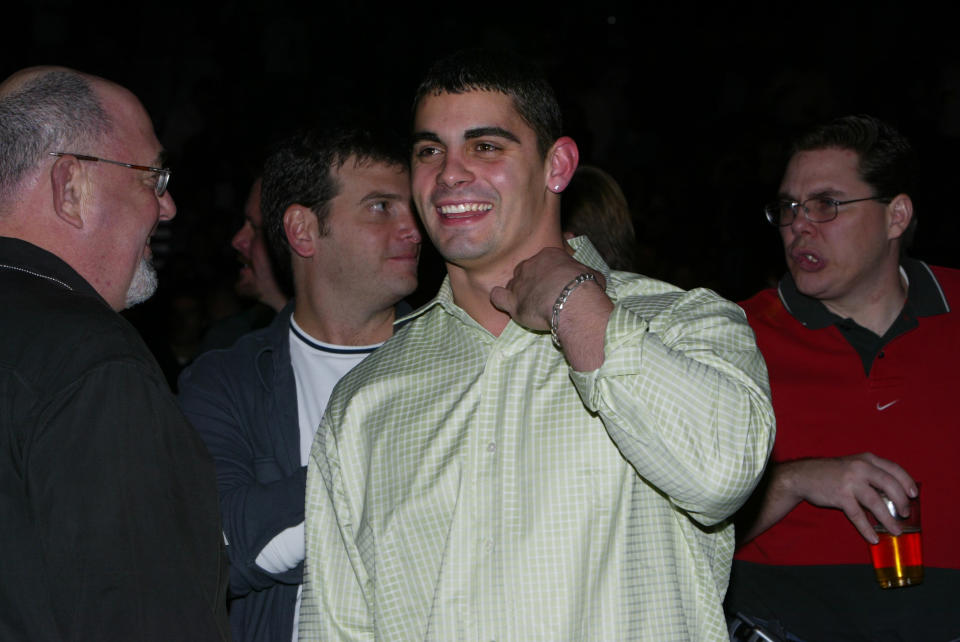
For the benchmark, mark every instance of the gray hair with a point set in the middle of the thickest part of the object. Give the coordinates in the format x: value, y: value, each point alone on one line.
x: 53, y: 111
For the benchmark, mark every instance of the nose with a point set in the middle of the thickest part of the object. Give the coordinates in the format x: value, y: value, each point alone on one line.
x: 241, y: 240
x: 407, y: 228
x: 453, y: 172
x: 168, y: 209
x: 801, y: 224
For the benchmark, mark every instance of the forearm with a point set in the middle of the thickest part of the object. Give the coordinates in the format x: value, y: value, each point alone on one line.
x: 773, y: 499
x: 284, y: 552
x: 853, y: 484
x: 581, y: 326
x: 259, y: 499
x: 685, y: 399
x: 256, y: 516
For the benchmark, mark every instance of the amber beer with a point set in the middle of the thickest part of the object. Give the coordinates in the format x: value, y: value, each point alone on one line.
x: 898, y: 559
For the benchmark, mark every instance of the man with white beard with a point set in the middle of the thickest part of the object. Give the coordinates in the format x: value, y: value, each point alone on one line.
x: 108, y: 506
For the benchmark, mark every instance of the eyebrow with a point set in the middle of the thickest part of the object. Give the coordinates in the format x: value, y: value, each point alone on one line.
x: 827, y: 192
x: 470, y: 134
x: 425, y: 136
x: 380, y: 196
x: 161, y: 158
x: 499, y: 132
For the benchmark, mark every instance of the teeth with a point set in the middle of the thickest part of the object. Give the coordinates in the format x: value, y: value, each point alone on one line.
x: 462, y: 208
x: 811, y: 258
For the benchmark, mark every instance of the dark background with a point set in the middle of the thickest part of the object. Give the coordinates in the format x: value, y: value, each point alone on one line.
x: 688, y: 106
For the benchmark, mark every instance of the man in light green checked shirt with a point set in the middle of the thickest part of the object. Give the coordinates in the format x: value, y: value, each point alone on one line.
x: 548, y: 450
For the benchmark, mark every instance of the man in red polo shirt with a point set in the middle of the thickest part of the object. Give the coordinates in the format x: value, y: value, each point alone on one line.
x: 862, y: 348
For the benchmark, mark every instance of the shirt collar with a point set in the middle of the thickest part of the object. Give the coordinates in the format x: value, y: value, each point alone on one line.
x: 584, y: 252
x: 925, y: 297
x: 17, y: 254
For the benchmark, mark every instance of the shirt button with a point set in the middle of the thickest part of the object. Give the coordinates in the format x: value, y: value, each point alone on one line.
x: 492, y: 447
x: 488, y: 544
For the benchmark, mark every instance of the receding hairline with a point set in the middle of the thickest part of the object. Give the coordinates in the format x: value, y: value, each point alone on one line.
x: 19, y: 78
x: 107, y: 93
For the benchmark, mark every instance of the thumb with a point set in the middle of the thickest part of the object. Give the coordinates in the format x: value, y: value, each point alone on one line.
x: 502, y: 299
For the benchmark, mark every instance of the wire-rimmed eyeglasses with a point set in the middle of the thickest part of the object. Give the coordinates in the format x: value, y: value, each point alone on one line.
x: 819, y: 209
x: 163, y: 174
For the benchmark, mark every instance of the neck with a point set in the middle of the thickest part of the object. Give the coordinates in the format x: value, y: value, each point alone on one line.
x: 875, y: 308
x: 471, y: 291
x: 274, y: 299
x: 471, y: 285
x: 340, y: 325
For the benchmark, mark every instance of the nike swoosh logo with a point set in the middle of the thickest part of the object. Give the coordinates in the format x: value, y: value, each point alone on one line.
x: 886, y: 405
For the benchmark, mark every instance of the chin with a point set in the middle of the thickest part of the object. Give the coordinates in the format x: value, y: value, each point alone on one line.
x: 810, y: 287
x: 143, y: 284
x: 246, y: 290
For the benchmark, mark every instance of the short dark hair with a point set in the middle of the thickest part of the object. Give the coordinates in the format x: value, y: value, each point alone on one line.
x: 886, y: 159
x: 300, y: 170
x: 54, y: 111
x: 594, y: 205
x: 483, y: 70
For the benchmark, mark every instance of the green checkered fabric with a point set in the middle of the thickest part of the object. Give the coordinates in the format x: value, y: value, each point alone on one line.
x: 464, y: 486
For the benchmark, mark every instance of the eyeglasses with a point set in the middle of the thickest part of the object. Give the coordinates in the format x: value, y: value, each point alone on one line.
x: 163, y: 174
x: 819, y: 209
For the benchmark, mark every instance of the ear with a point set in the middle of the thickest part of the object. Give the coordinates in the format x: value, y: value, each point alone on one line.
x: 66, y: 180
x: 298, y: 223
x: 562, y: 160
x: 899, y: 215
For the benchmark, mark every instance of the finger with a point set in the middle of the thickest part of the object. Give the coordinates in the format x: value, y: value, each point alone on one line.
x: 874, y: 502
x: 906, y: 482
x: 601, y: 280
x: 898, y: 495
x: 863, y: 525
x: 503, y: 299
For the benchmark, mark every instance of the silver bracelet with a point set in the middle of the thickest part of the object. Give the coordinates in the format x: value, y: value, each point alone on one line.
x: 562, y: 299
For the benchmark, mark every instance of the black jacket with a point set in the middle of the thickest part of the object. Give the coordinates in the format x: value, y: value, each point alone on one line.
x: 243, y: 402
x: 108, y: 508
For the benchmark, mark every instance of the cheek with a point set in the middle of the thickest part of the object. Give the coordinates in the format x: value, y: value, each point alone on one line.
x: 786, y: 235
x: 422, y: 181
x: 259, y: 253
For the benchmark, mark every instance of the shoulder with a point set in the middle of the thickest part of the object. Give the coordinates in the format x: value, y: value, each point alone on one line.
x: 413, y: 343
x: 56, y: 335
x: 763, y: 304
x: 239, y: 355
x: 949, y: 280
x: 664, y: 303
x: 409, y: 356
x: 238, y: 364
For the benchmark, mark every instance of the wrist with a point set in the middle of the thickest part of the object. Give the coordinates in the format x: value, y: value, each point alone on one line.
x: 561, y: 301
x: 788, y: 480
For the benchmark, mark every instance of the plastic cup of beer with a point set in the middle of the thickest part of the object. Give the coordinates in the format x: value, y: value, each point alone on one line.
x: 898, y: 559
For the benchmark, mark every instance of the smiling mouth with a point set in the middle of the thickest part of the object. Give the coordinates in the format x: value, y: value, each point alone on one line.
x: 463, y: 210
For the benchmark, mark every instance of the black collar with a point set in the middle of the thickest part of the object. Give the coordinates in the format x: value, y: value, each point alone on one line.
x: 925, y: 297
x: 27, y: 258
